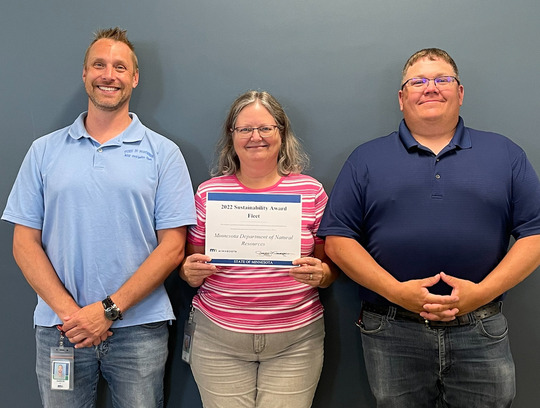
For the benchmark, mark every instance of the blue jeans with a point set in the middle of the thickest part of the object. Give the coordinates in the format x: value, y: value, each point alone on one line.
x: 411, y: 365
x: 132, y: 361
x: 244, y: 370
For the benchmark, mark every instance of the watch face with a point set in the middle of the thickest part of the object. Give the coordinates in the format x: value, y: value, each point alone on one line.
x: 111, y: 313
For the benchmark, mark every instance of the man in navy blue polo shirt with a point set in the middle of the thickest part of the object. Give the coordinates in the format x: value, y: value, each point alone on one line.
x: 422, y: 220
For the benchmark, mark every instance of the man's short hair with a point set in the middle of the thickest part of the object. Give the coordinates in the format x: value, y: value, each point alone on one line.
x: 116, y: 34
x: 432, y: 54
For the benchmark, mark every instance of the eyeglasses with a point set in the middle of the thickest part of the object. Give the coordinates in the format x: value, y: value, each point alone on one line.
x: 440, y: 82
x: 246, y: 132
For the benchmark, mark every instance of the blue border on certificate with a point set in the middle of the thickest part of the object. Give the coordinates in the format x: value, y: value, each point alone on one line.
x: 251, y: 262
x: 263, y: 204
x: 255, y: 197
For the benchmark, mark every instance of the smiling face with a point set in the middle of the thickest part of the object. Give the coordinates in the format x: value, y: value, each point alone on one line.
x: 110, y: 75
x: 430, y: 103
x: 256, y: 150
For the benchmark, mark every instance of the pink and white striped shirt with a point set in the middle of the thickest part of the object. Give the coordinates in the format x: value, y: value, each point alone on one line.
x: 259, y: 299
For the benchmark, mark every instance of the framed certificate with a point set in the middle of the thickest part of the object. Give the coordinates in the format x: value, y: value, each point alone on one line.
x: 253, y: 229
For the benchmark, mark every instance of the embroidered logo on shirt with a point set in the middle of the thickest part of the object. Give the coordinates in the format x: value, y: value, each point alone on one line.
x: 138, y: 154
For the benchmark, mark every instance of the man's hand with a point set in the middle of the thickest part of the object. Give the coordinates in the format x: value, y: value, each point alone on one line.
x: 88, y: 326
x: 414, y: 295
x: 465, y: 290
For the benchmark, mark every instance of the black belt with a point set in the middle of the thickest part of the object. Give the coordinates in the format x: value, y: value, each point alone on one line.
x: 398, y: 313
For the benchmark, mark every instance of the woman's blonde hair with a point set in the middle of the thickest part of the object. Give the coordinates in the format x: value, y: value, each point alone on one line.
x: 291, y: 157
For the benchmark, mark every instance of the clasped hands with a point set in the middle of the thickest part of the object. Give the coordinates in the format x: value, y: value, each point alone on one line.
x: 414, y: 295
x: 87, y: 326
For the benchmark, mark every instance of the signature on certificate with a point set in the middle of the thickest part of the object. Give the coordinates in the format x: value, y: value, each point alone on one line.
x: 270, y: 254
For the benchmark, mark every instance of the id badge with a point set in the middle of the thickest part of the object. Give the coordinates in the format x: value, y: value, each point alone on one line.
x: 62, y: 362
x: 189, y: 330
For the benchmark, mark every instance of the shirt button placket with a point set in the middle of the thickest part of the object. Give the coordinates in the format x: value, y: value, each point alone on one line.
x: 98, y: 158
x: 437, y: 191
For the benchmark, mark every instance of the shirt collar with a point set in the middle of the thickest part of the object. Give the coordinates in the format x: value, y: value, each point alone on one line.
x: 131, y: 134
x: 461, y: 138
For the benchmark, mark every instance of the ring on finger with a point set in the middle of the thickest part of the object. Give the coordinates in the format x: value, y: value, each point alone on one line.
x: 310, y: 276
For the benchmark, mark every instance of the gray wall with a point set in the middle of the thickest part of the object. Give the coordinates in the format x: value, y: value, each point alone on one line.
x: 336, y: 68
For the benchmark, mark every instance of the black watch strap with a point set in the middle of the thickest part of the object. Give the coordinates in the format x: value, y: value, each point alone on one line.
x: 112, y: 312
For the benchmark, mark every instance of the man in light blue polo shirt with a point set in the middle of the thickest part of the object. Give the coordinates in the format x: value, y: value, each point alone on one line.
x: 100, y: 211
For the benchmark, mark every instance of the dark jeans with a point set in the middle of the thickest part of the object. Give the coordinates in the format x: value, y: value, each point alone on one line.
x: 411, y: 365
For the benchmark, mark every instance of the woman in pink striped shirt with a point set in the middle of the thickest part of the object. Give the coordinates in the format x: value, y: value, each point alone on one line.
x: 259, y: 331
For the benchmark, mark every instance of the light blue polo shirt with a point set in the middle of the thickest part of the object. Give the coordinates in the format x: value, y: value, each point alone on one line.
x: 98, y: 207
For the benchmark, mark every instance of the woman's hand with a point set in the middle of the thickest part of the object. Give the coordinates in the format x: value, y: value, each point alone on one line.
x: 318, y: 271
x: 310, y: 271
x: 195, y: 269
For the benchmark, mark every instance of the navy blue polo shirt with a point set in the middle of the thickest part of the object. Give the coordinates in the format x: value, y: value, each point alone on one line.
x: 418, y: 213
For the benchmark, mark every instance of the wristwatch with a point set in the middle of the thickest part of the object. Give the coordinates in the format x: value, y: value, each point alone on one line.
x: 112, y: 312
